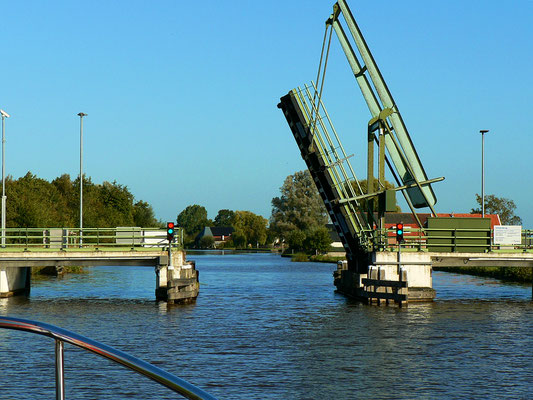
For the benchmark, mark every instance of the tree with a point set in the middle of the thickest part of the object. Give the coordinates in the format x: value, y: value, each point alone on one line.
x: 225, y: 218
x: 505, y: 208
x: 207, y: 242
x: 114, y: 205
x: 296, y: 239
x: 238, y: 238
x: 192, y: 219
x: 318, y: 240
x: 35, y: 202
x: 32, y: 203
x: 253, y: 227
x: 299, y: 206
x: 143, y: 215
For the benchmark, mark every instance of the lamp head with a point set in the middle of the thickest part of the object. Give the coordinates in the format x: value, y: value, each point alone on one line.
x: 483, y: 131
x: 4, y: 114
x: 82, y: 114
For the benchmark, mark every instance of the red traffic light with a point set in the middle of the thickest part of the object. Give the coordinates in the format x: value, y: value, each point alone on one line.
x: 399, y: 232
x: 170, y: 231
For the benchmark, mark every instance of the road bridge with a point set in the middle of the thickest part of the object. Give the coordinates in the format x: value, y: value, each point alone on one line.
x: 176, y: 278
x: 376, y: 266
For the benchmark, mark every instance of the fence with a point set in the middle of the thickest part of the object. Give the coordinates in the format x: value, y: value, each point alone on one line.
x: 448, y: 240
x: 91, y: 238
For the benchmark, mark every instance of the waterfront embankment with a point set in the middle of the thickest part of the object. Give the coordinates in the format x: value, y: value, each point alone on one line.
x: 510, y: 274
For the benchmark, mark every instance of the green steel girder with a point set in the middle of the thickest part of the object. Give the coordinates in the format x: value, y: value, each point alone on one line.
x: 398, y: 143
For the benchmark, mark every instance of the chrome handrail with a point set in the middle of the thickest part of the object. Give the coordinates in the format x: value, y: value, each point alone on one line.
x: 61, y: 336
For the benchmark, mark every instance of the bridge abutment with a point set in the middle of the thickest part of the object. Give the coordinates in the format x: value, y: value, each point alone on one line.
x: 177, y: 283
x: 418, y: 267
x: 14, y: 281
x: 390, y: 269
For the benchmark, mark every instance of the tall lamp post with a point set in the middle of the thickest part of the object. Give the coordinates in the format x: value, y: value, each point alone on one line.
x: 4, y: 198
x: 81, y: 176
x: 483, y: 131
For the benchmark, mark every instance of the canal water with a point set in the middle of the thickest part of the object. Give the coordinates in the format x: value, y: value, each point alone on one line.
x: 266, y: 328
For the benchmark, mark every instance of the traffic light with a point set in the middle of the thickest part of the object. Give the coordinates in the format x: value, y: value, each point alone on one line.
x: 399, y: 232
x: 170, y: 231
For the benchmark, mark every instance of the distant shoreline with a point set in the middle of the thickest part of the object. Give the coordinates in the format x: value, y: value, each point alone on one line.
x: 509, y: 274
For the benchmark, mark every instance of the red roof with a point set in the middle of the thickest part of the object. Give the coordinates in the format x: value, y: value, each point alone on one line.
x: 392, y: 219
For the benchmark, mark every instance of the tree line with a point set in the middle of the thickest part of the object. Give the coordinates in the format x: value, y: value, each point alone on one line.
x: 298, y: 220
x: 249, y: 229
x: 33, y: 202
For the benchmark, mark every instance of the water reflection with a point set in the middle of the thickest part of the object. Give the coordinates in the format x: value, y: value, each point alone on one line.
x: 264, y: 327
x: 3, y: 306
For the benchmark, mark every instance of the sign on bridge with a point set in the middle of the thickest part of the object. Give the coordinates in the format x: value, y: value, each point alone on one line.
x: 507, y: 234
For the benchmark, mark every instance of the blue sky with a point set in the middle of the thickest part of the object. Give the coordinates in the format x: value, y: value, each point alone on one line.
x: 198, y: 83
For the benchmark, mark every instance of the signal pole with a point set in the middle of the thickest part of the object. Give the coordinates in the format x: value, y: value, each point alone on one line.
x: 4, y: 198
x: 399, y: 240
x: 483, y: 131
x: 171, y: 230
x: 81, y: 176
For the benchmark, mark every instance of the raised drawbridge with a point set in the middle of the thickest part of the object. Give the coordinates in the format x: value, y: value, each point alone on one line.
x: 358, y: 222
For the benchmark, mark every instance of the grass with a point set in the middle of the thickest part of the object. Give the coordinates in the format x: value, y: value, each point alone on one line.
x: 37, y: 272
x: 300, y: 257
x: 322, y: 258
x: 511, y: 274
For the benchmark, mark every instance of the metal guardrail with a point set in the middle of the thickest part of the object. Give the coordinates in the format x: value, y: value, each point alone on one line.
x: 98, y: 238
x: 456, y: 239
x: 62, y: 336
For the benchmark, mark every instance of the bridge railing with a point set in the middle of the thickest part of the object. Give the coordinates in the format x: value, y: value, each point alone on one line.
x: 449, y: 240
x: 89, y: 238
x: 63, y: 336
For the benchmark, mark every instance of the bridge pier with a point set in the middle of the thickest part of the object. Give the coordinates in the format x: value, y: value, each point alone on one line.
x: 14, y: 281
x: 177, y: 283
x: 417, y: 267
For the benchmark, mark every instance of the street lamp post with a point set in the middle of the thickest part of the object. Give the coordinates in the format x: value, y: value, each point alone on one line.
x: 483, y: 131
x: 4, y: 198
x: 81, y: 176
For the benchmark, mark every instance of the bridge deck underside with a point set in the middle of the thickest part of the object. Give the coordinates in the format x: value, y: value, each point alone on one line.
x: 61, y: 258
x: 482, y: 259
x: 330, y: 169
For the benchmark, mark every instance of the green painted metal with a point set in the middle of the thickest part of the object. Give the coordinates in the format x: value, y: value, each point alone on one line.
x: 93, y: 238
x: 326, y: 158
x: 453, y: 239
x: 334, y: 159
x: 387, y: 201
x: 329, y: 166
x: 398, y: 142
x: 466, y: 234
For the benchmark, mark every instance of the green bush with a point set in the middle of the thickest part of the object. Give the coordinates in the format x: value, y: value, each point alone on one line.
x: 300, y: 257
x: 206, y: 242
x: 513, y: 274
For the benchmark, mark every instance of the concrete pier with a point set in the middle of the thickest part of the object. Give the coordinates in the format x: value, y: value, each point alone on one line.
x: 385, y: 271
x: 176, y: 282
x: 14, y: 281
x: 418, y: 266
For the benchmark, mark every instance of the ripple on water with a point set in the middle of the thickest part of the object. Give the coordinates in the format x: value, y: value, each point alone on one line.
x: 264, y: 327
